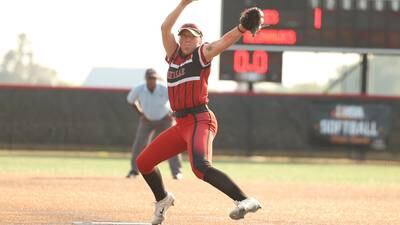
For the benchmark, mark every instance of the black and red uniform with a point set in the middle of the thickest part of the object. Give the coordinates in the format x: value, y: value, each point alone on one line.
x: 196, y: 125
x: 188, y: 80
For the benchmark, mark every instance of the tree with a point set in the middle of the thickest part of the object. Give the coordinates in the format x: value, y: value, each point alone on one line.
x: 18, y: 66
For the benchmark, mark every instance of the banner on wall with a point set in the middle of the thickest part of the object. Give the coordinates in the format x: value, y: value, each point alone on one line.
x: 351, y: 124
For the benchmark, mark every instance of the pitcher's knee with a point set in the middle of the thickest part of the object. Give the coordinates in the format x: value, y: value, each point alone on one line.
x: 200, y: 167
x: 143, y: 166
x: 198, y: 174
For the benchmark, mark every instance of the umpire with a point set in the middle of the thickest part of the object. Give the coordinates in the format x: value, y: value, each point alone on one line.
x: 150, y: 101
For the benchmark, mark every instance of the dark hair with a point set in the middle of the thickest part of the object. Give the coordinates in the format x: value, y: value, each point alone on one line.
x: 150, y: 73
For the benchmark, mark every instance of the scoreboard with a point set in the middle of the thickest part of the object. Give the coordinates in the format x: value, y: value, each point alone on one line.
x: 359, y: 26
x: 247, y: 65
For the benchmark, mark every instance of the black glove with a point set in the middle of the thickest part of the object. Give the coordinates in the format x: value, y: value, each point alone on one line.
x: 252, y: 19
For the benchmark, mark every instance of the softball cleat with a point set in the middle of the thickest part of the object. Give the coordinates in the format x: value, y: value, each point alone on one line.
x: 243, y: 207
x: 162, y: 206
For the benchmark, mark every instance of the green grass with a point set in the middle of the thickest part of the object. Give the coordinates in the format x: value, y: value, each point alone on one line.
x: 363, y: 174
x: 318, y: 173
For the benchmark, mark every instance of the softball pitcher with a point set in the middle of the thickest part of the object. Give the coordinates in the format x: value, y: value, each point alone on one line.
x: 189, y: 62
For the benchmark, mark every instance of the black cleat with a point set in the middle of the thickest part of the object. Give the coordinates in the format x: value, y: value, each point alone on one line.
x: 132, y: 173
x: 178, y: 176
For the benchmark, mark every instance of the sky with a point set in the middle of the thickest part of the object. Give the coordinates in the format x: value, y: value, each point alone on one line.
x: 74, y: 36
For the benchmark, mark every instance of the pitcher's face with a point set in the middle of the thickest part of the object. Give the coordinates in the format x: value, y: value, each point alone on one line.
x: 188, y: 42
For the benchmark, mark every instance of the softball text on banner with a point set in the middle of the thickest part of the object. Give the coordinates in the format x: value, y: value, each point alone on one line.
x: 347, y: 124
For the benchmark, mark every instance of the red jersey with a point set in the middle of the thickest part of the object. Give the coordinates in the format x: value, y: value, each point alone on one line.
x: 188, y: 79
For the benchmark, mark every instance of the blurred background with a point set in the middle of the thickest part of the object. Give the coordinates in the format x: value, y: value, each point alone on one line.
x: 322, y: 80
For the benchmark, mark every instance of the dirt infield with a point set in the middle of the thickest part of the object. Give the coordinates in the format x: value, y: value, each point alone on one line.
x: 63, y: 200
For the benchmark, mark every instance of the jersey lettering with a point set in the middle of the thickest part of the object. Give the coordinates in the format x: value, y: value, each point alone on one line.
x: 176, y: 74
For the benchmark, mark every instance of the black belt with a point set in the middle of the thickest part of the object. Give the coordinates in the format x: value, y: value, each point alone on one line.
x: 194, y: 110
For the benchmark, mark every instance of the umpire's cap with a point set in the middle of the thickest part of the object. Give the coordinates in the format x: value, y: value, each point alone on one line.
x: 192, y: 28
x: 151, y: 73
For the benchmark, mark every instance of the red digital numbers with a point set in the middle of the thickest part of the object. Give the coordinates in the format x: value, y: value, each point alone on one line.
x: 317, y: 18
x: 250, y: 62
x: 271, y: 16
x: 272, y: 37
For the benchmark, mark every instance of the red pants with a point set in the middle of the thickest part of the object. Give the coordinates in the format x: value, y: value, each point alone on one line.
x: 194, y: 133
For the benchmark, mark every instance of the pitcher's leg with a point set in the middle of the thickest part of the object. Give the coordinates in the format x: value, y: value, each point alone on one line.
x: 175, y: 162
x: 167, y: 144
x: 200, y: 154
x: 223, y: 182
x: 155, y: 182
